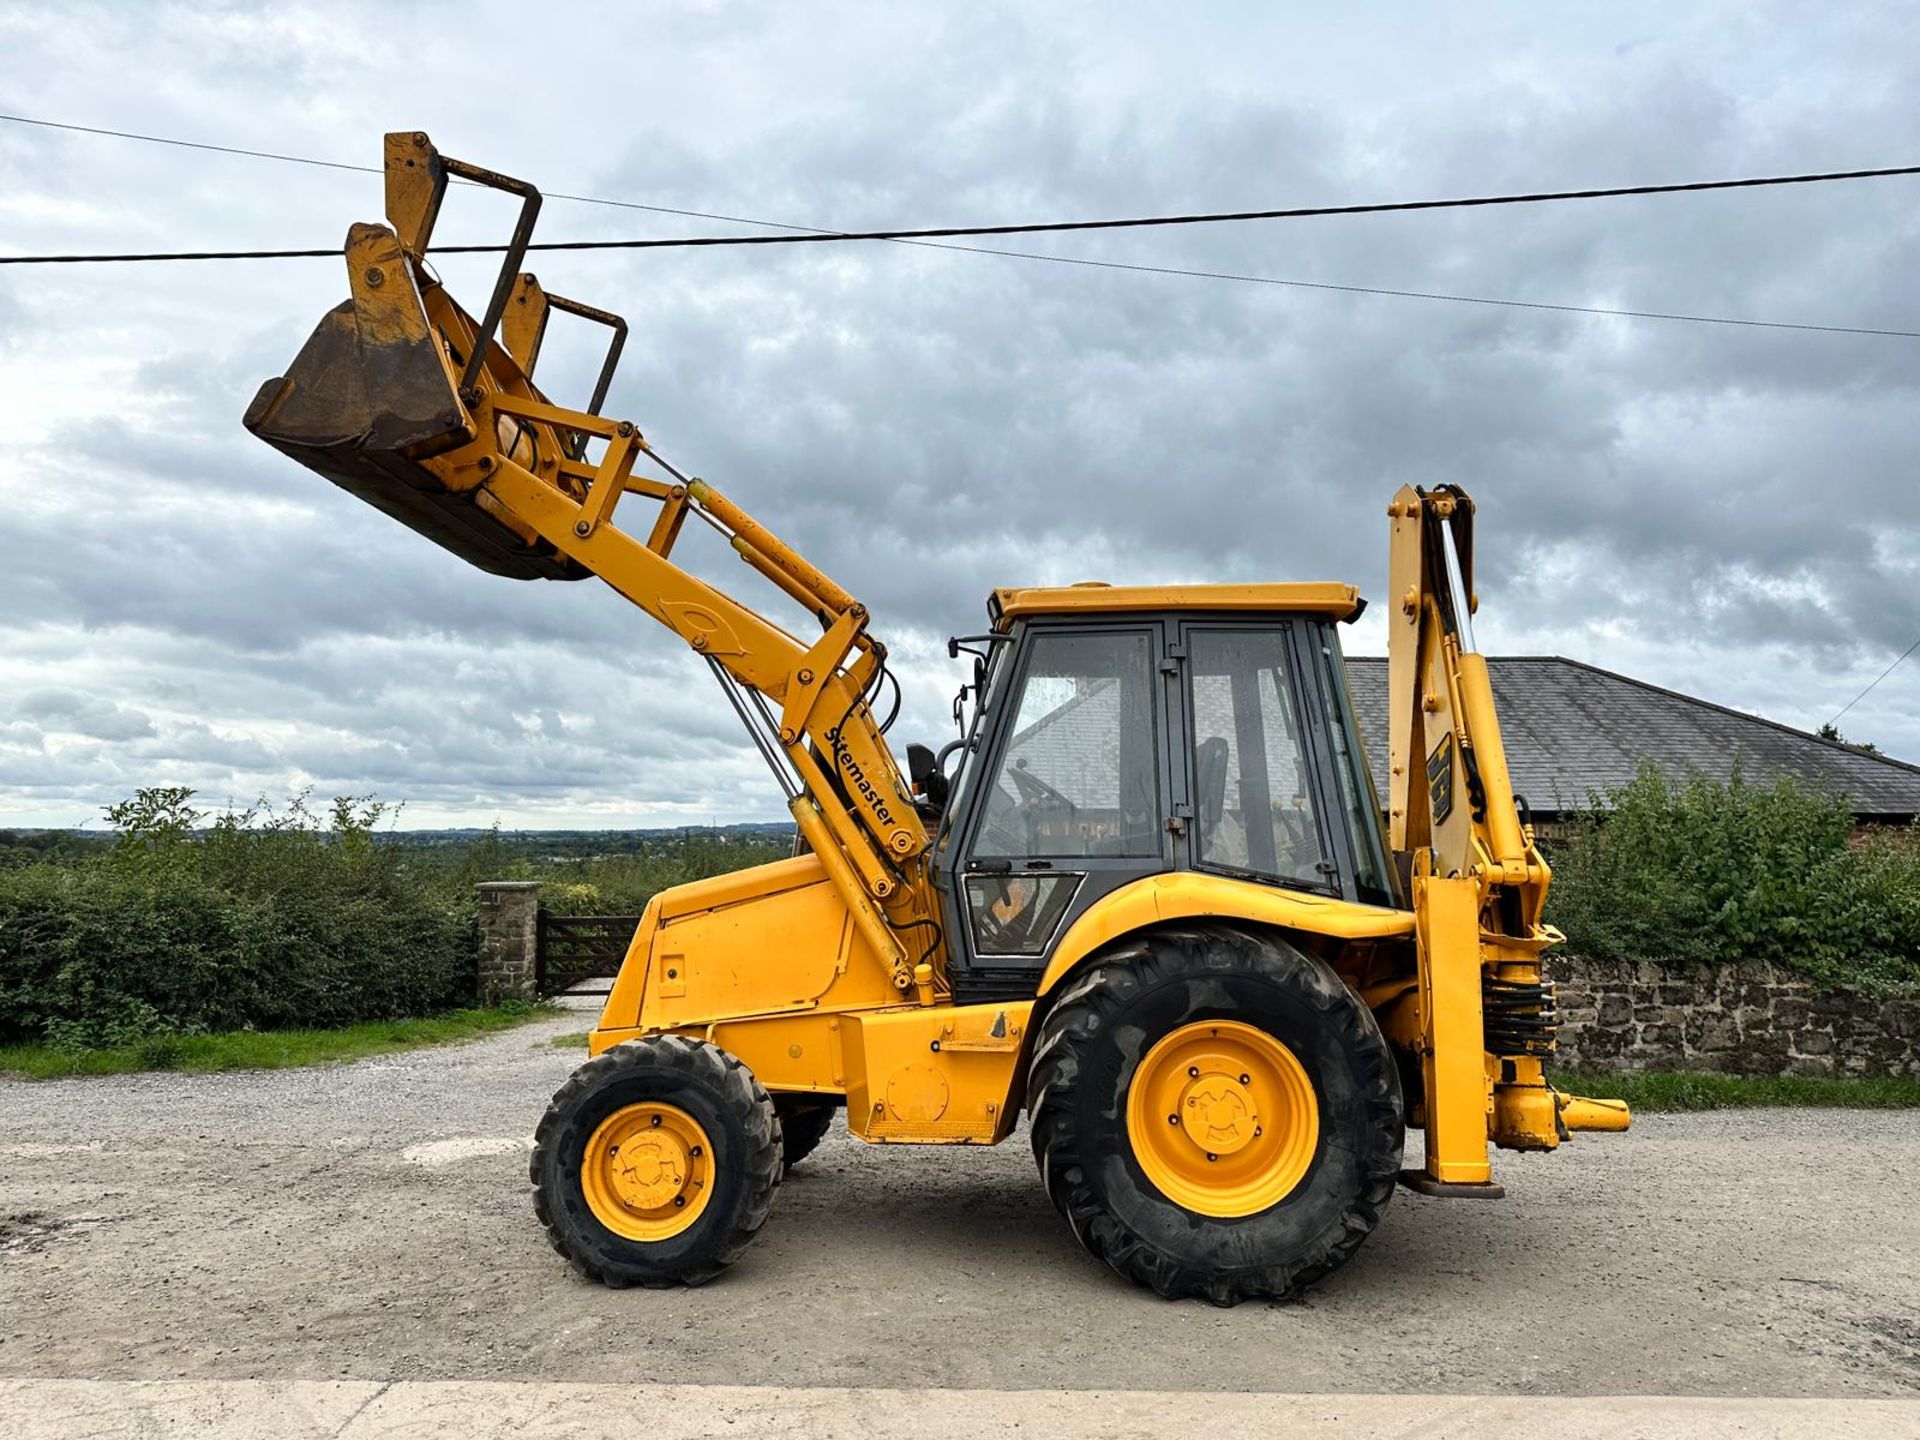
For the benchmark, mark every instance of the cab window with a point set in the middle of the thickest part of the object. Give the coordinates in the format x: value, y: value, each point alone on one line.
x: 1079, y: 776
x: 1253, y: 805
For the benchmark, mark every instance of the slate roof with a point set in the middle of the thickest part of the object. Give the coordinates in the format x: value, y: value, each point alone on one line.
x: 1572, y: 729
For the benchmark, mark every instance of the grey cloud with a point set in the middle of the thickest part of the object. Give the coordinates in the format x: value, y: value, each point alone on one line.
x: 65, y: 711
x: 1718, y: 508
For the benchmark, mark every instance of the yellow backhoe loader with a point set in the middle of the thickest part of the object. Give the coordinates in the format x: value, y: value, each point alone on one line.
x: 1149, y: 896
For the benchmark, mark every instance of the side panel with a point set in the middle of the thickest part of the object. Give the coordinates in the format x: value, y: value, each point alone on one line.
x: 772, y: 940
x: 946, y: 1074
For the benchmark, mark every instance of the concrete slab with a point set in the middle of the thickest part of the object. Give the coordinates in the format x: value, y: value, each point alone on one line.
x: 480, y: 1410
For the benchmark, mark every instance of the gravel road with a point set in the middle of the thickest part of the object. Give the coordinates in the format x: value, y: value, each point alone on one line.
x: 372, y: 1222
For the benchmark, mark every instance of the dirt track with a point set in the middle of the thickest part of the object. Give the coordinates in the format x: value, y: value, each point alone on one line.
x: 372, y: 1222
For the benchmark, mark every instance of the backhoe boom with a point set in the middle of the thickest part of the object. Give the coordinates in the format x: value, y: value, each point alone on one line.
x: 1485, y: 1017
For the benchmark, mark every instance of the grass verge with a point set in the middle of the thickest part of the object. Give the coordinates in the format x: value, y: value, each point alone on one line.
x: 269, y: 1049
x: 572, y: 1040
x: 1673, y: 1090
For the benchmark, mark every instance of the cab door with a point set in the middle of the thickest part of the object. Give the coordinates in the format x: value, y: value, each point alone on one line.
x: 1258, y: 758
x: 1073, y: 798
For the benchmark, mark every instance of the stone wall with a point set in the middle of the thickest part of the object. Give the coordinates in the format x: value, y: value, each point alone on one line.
x: 1749, y: 1018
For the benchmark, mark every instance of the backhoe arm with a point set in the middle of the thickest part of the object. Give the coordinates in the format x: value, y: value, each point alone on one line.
x: 406, y: 401
x: 1486, y: 1018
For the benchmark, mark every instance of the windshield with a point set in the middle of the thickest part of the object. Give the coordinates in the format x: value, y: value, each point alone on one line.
x: 963, y: 767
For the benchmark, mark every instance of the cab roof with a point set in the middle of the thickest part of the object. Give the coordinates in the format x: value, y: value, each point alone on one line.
x: 1331, y: 601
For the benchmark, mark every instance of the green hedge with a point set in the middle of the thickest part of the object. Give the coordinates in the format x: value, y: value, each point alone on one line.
x: 1705, y: 872
x: 258, y: 921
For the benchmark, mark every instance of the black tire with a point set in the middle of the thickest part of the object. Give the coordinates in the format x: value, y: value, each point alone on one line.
x: 1090, y: 1044
x: 803, y: 1125
x: 729, y: 1104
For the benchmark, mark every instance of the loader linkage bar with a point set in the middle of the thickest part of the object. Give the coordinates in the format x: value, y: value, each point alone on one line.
x: 402, y: 399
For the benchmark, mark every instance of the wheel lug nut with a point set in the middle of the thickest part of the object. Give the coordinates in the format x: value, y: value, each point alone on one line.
x: 1193, y: 1072
x: 1212, y: 1156
x: 680, y: 1200
x: 656, y: 1121
x: 1258, y: 1132
x: 1246, y: 1079
x: 1173, y: 1119
x: 695, y: 1152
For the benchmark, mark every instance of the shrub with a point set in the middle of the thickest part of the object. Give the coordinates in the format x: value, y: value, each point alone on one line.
x: 1705, y: 872
x: 260, y: 920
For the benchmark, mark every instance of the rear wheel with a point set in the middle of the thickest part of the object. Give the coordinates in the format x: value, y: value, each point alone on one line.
x: 1215, y: 1113
x: 656, y: 1163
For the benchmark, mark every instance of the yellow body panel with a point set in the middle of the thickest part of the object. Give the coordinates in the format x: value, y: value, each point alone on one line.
x: 1336, y: 602
x: 769, y: 964
x: 1185, y: 895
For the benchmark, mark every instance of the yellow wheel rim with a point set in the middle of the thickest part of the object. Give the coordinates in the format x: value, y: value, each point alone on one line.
x: 648, y: 1171
x: 1223, y: 1118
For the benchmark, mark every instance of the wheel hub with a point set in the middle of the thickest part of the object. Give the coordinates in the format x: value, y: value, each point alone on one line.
x: 650, y: 1170
x: 647, y: 1171
x: 1219, y: 1114
x: 1222, y: 1118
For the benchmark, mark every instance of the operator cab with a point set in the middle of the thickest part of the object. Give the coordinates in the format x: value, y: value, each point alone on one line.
x: 1120, y: 733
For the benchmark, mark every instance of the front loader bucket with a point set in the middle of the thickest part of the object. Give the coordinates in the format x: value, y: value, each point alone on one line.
x: 371, y: 395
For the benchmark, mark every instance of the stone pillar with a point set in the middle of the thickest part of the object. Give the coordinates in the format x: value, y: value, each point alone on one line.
x: 509, y: 940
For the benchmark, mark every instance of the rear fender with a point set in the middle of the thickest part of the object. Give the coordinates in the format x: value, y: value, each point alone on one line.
x: 1185, y: 895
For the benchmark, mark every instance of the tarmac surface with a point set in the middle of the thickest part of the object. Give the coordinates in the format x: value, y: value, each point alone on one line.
x: 372, y: 1223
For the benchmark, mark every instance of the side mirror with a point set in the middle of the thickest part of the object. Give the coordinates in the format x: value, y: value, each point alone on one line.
x: 920, y: 766
x: 923, y: 769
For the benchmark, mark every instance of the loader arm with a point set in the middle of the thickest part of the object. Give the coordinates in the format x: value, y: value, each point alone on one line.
x: 1485, y: 1019
x: 402, y: 398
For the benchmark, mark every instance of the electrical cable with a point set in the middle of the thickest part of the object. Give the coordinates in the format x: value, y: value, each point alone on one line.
x: 1047, y: 227
x: 826, y: 234
x: 1877, y: 679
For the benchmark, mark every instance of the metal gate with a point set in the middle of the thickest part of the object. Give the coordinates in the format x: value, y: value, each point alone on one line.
x: 578, y: 949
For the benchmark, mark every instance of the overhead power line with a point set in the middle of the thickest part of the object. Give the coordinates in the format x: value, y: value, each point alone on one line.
x: 815, y: 234
x: 1049, y: 227
x: 1876, y: 680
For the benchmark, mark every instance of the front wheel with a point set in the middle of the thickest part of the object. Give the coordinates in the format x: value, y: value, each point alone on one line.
x: 656, y: 1163
x: 1215, y: 1113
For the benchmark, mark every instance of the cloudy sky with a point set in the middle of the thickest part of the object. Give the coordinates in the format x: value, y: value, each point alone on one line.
x: 1727, y: 510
